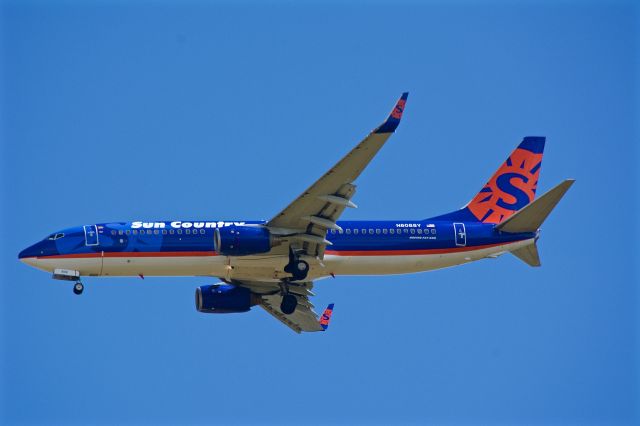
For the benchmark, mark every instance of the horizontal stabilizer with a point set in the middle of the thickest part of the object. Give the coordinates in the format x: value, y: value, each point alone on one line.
x: 530, y: 217
x: 528, y: 254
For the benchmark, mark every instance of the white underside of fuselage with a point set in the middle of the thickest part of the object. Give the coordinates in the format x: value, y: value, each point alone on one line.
x: 266, y: 268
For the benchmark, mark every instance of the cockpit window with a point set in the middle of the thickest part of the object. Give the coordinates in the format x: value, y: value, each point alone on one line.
x: 56, y: 236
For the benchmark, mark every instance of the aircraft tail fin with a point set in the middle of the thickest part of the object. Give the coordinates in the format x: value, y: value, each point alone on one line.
x: 530, y: 217
x: 528, y: 254
x: 512, y: 186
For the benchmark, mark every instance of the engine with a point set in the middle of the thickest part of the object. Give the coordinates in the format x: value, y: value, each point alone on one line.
x: 224, y: 299
x: 242, y: 240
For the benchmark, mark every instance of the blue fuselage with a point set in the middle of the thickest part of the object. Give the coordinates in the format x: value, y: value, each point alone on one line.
x: 356, y: 238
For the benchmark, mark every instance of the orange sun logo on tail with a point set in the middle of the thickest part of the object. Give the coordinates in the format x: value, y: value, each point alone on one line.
x: 513, y: 186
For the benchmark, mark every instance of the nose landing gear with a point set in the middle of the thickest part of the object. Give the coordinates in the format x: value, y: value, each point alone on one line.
x: 69, y: 275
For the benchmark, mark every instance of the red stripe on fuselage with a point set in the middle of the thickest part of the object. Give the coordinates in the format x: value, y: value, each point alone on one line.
x: 329, y: 252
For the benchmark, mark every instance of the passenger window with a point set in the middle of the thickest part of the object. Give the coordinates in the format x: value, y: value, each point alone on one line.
x: 187, y: 231
x: 413, y: 231
x: 120, y: 232
x: 370, y: 231
x: 392, y: 231
x: 333, y: 231
x: 348, y: 231
x: 364, y: 231
x: 179, y: 231
x: 406, y: 231
x: 113, y: 232
x: 171, y: 231
x: 419, y: 231
x: 340, y: 231
x: 378, y: 231
x: 149, y: 231
x: 128, y: 232
x: 433, y: 230
x: 384, y: 231
x: 135, y: 232
x: 156, y: 232
x: 164, y: 232
x: 202, y: 231
x: 355, y: 231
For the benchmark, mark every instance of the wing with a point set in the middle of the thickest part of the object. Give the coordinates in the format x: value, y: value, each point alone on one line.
x: 304, y: 318
x: 317, y: 209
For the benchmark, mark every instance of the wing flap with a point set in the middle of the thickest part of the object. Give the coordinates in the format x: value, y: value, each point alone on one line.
x: 303, y: 319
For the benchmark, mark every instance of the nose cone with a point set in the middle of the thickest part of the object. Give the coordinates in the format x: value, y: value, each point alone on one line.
x: 30, y: 251
x: 29, y: 255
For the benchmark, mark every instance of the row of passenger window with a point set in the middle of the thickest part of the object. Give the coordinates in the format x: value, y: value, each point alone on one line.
x: 156, y: 231
x: 385, y: 231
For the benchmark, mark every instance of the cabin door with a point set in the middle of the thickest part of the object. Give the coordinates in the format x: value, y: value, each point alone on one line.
x: 91, y: 235
x: 461, y: 234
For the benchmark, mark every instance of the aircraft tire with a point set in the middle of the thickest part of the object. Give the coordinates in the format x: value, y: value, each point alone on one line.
x: 289, y: 303
x: 78, y: 288
x: 301, y: 270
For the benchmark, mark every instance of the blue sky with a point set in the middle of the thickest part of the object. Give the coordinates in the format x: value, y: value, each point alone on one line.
x: 180, y: 110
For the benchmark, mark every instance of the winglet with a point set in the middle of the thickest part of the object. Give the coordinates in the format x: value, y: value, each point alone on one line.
x: 326, y: 317
x: 391, y: 123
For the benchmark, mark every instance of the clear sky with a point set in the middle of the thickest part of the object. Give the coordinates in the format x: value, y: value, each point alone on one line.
x: 183, y: 110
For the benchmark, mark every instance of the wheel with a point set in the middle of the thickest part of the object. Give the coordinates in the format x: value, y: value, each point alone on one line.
x: 302, y: 266
x: 300, y: 271
x: 289, y: 303
x: 78, y: 287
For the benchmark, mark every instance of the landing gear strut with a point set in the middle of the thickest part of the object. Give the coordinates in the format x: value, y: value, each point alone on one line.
x: 78, y: 288
x: 296, y: 267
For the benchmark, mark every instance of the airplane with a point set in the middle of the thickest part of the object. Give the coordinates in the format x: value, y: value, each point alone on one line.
x: 273, y: 264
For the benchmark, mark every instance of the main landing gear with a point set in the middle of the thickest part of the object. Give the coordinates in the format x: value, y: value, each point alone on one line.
x: 78, y: 288
x: 299, y: 269
x: 289, y: 304
x: 289, y: 300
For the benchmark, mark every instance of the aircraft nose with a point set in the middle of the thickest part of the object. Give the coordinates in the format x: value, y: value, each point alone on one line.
x: 29, y: 253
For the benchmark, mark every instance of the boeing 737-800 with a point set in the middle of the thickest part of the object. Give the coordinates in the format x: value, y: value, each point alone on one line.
x: 273, y: 263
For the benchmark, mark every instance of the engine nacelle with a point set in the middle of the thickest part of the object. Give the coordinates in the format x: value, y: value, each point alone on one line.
x: 224, y: 299
x: 242, y: 240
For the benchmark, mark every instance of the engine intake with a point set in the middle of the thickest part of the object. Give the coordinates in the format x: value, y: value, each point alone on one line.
x: 224, y: 299
x: 242, y: 240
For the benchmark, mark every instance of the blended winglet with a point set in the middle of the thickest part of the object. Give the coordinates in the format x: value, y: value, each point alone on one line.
x: 391, y: 123
x: 326, y: 317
